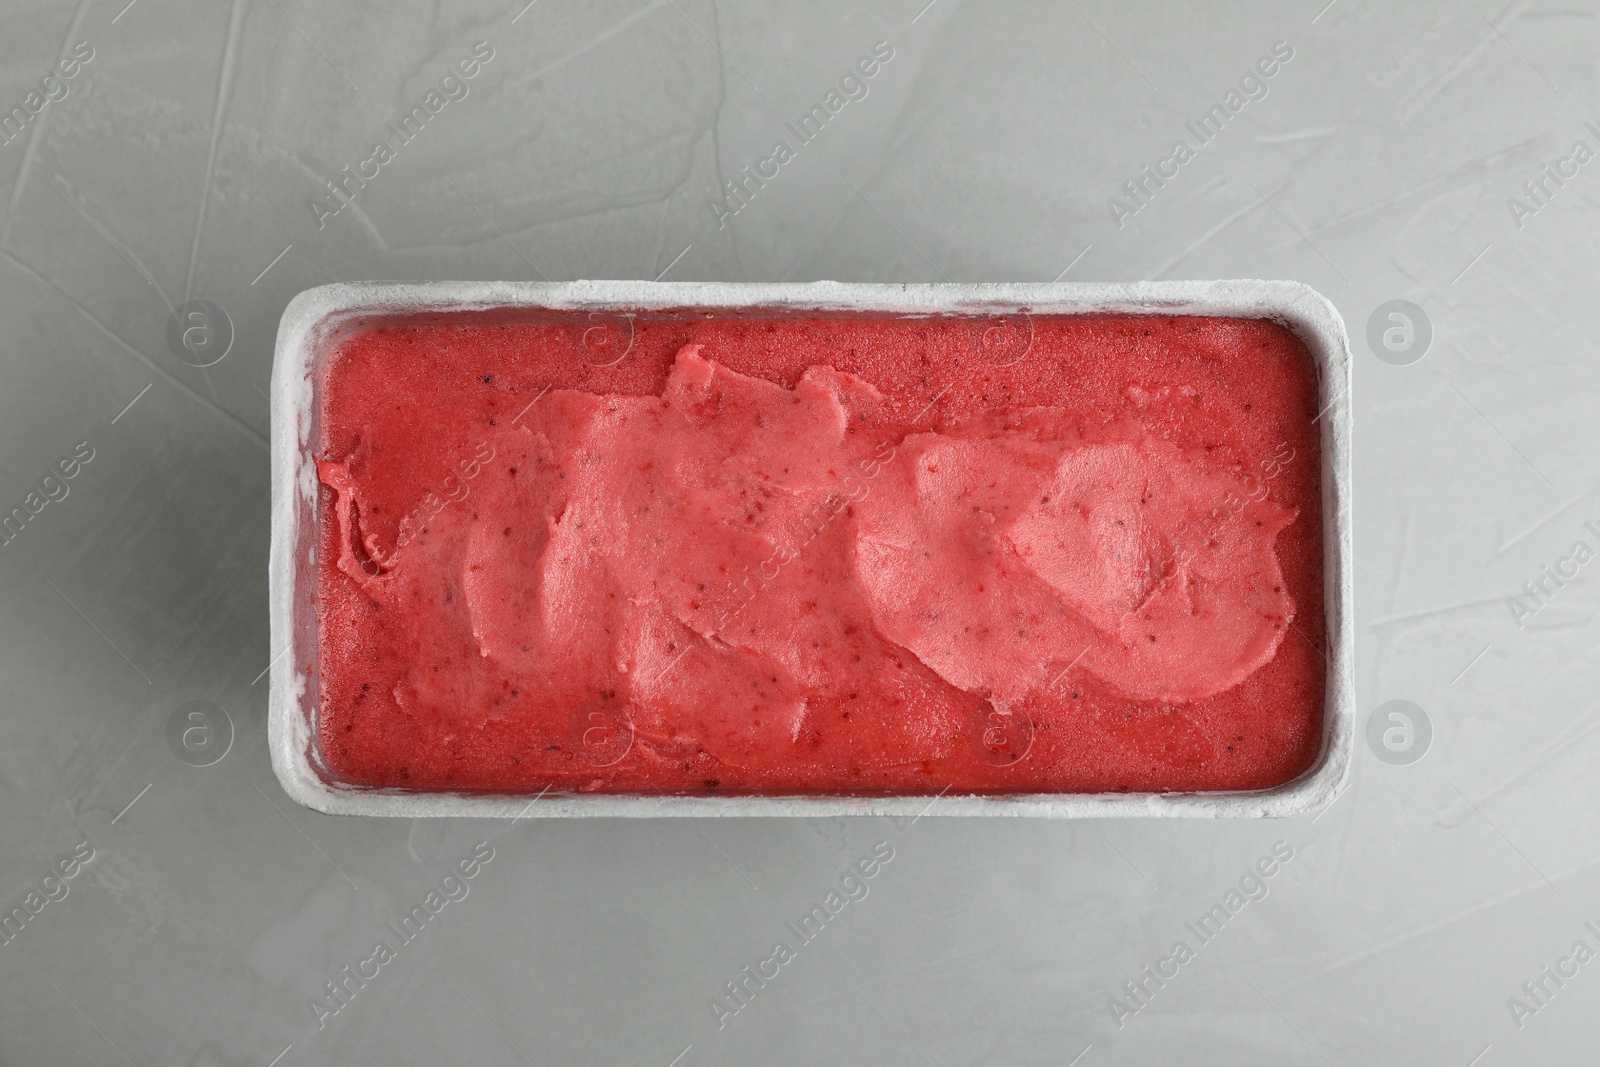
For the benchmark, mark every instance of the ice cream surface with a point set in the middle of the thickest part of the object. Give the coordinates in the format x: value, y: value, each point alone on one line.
x: 819, y: 555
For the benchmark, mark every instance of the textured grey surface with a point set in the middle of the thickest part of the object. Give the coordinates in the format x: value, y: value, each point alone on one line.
x: 186, y: 156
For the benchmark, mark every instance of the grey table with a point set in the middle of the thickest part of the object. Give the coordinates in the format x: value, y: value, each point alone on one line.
x: 1422, y: 152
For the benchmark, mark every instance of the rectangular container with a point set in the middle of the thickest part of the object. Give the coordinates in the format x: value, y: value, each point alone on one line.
x: 316, y: 320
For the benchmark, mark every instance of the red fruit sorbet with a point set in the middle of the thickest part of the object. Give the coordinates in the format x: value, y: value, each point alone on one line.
x: 762, y: 553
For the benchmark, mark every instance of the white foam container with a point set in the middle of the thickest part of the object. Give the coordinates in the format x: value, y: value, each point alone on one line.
x: 317, y: 318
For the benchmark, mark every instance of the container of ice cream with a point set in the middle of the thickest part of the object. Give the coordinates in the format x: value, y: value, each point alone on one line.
x: 629, y: 548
